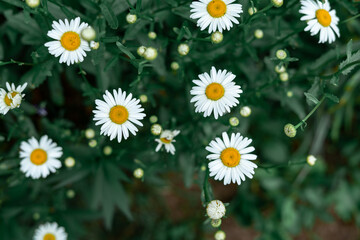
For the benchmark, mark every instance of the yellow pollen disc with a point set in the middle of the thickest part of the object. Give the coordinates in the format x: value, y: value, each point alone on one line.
x: 7, y: 100
x: 323, y: 17
x: 230, y: 157
x: 216, y: 8
x: 38, y: 156
x: 49, y: 236
x: 165, y: 140
x: 70, y: 41
x: 214, y: 91
x: 118, y: 114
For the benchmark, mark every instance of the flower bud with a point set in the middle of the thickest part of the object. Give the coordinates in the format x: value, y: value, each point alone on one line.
x: 70, y: 193
x: 94, y: 45
x: 138, y: 173
x: 281, y: 54
x: 217, y: 37
x: 284, y: 76
x: 152, y: 35
x: 234, y: 121
x: 245, y: 111
x: 259, y: 33
x: 290, y: 130
x: 252, y: 10
x: 93, y: 143
x: 280, y: 69
x: 89, y: 133
x: 216, y: 223
x: 69, y: 162
x: 290, y: 94
x: 88, y: 34
x: 150, y: 53
x: 183, y: 49
x: 153, y: 119
x: 107, y: 150
x: 277, y: 3
x: 156, y: 129
x: 141, y: 50
x: 175, y: 66
x: 143, y: 98
x: 311, y: 160
x: 215, y: 209
x: 131, y: 18
x: 33, y: 3
x: 220, y: 235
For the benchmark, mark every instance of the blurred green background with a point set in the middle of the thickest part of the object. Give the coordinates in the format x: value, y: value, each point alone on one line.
x: 100, y: 199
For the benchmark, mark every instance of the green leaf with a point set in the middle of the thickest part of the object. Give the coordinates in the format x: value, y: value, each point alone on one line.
x: 109, y: 15
x: 332, y: 97
x: 352, y: 60
x: 311, y: 98
x: 125, y: 50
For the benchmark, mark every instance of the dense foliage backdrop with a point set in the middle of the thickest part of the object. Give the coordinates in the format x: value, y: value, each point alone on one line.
x: 99, y: 198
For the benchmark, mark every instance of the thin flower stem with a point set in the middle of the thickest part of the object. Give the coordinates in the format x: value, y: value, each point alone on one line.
x: 349, y: 19
x: 282, y: 165
x: 312, y: 111
x: 12, y: 61
x: 205, y: 186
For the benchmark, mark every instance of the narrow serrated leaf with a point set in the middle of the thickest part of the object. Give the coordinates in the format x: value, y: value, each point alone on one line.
x: 109, y: 16
x: 311, y: 97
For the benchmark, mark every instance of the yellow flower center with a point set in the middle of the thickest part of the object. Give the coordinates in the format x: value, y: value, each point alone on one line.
x: 214, y: 91
x: 49, y: 236
x: 165, y: 140
x: 70, y: 41
x: 230, y: 157
x: 119, y: 114
x: 38, y: 156
x: 7, y: 100
x: 216, y: 8
x: 323, y: 17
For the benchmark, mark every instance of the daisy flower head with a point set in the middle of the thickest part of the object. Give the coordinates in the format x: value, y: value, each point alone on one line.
x: 11, y: 98
x: 68, y: 41
x: 231, y: 158
x: 218, y: 15
x: 39, y: 158
x: 215, y: 93
x: 118, y: 114
x: 50, y: 231
x: 215, y: 209
x: 166, y: 139
x: 320, y: 18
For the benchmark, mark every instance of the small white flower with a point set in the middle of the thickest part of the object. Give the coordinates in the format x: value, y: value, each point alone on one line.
x: 11, y: 98
x: 68, y: 44
x: 218, y: 15
x: 166, y: 139
x: 156, y: 129
x: 50, y: 231
x: 320, y: 18
x: 118, y: 114
x: 215, y: 209
x: 311, y: 160
x: 230, y: 158
x: 183, y: 49
x: 215, y: 93
x: 39, y: 158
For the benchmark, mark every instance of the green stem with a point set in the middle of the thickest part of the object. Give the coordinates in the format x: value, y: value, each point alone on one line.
x: 205, y: 186
x: 282, y: 165
x: 312, y: 111
x: 12, y: 61
x: 349, y: 19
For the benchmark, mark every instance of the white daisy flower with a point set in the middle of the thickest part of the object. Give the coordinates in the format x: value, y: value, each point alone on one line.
x: 320, y: 18
x: 50, y: 231
x: 230, y: 158
x: 166, y: 139
x: 218, y: 15
x: 39, y: 158
x: 118, y: 114
x: 215, y: 209
x: 68, y: 41
x: 11, y: 98
x: 216, y: 92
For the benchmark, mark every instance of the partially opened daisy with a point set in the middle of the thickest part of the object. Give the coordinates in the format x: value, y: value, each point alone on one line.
x: 39, y: 158
x: 231, y: 158
x: 166, y: 139
x: 68, y: 43
x: 320, y: 18
x: 50, y: 231
x: 215, y: 93
x: 11, y: 98
x: 118, y: 114
x: 218, y: 15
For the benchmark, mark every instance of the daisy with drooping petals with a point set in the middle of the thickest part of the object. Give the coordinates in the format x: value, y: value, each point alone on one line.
x: 320, y: 18
x: 39, y: 158
x: 118, y: 114
x: 230, y: 158
x: 166, y: 139
x: 218, y: 15
x: 215, y: 209
x: 68, y: 43
x: 215, y: 93
x: 11, y: 98
x: 50, y: 231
